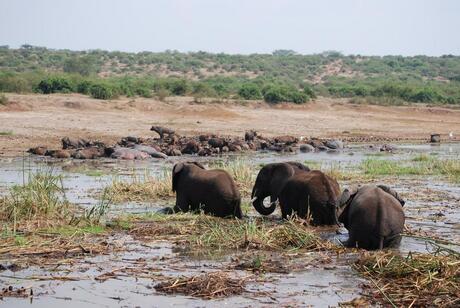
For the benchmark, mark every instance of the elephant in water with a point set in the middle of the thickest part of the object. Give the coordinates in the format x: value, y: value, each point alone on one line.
x: 373, y: 216
x: 212, y: 191
x: 270, y: 181
x: 311, y: 192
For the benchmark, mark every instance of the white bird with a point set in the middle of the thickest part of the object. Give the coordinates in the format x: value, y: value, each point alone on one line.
x: 451, y: 135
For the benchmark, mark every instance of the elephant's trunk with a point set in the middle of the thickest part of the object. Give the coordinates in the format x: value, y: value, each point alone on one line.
x: 258, y: 203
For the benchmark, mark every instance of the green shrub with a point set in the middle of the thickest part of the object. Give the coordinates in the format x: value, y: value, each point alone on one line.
x: 274, y: 94
x: 84, y: 87
x: 54, y: 84
x: 102, y: 91
x: 297, y: 97
x: 178, y: 87
x: 250, y: 91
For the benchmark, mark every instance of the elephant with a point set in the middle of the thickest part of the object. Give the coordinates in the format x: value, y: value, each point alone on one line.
x: 313, y: 192
x: 213, y: 191
x: 373, y: 216
x: 270, y: 181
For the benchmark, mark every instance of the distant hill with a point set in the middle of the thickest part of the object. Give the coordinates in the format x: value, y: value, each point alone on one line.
x: 329, y: 73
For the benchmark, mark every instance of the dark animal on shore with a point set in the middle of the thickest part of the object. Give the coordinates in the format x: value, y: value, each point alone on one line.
x: 40, y: 150
x: 60, y: 153
x: 217, y: 142
x: 287, y: 140
x: 312, y: 193
x: 72, y: 143
x: 250, y: 135
x: 270, y: 181
x: 191, y: 147
x: 373, y: 216
x: 162, y: 131
x: 212, y: 191
x: 89, y: 153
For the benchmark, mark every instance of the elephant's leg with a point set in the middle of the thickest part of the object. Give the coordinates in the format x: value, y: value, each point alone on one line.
x: 182, y: 204
x: 286, y: 211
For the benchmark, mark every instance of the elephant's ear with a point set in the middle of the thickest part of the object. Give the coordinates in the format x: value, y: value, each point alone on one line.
x: 175, y: 174
x: 198, y: 165
x: 392, y: 192
x: 345, y: 199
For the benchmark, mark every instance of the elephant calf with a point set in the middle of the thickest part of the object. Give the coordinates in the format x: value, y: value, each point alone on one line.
x: 373, y: 216
x: 270, y: 181
x: 311, y: 192
x: 212, y: 191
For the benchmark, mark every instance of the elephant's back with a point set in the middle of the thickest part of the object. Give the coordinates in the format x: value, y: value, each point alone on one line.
x: 372, y: 206
x: 317, y: 182
x: 221, y: 182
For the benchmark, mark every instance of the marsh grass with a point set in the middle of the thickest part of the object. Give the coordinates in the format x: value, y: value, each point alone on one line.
x: 141, y: 188
x: 243, y: 172
x: 418, y: 165
x: 256, y: 234
x: 417, y: 280
x: 42, y: 196
x: 207, y: 232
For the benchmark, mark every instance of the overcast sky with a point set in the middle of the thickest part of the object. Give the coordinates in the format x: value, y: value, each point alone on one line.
x: 367, y: 27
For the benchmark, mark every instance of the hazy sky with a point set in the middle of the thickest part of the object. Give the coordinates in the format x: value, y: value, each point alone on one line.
x: 367, y: 27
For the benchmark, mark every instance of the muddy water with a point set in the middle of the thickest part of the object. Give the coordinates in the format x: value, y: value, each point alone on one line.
x: 433, y: 206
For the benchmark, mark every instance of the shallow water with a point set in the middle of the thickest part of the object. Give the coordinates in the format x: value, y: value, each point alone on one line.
x: 433, y: 206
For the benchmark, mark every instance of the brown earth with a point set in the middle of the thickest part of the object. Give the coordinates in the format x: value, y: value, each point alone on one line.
x: 44, y: 119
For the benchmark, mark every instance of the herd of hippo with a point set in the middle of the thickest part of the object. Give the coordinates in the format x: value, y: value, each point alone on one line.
x: 372, y: 214
x: 171, y: 144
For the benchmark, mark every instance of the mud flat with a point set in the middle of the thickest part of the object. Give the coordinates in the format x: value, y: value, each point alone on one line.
x: 32, y: 120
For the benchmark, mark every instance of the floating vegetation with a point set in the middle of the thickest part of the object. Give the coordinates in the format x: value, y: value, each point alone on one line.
x: 418, y: 280
x: 208, y: 286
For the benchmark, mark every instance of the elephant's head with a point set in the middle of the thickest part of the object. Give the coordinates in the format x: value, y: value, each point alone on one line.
x: 269, y: 182
x: 179, y: 168
x: 343, y: 202
x: 393, y: 193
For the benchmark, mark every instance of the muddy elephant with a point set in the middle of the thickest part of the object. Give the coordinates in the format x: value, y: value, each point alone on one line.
x: 270, y: 181
x: 212, y: 191
x: 312, y: 193
x: 373, y: 216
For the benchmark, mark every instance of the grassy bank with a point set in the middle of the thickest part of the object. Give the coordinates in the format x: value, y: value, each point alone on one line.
x: 419, y: 165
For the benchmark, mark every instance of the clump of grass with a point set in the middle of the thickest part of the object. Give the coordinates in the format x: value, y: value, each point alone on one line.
x: 417, y: 280
x: 141, y: 188
x: 208, y: 286
x: 255, y: 234
x: 42, y: 196
x: 242, y: 172
x: 6, y: 133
